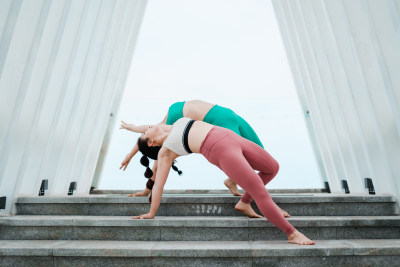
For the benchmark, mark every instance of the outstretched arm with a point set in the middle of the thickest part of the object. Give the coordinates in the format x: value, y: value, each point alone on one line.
x: 129, y: 156
x: 164, y: 163
x: 134, y: 128
x: 135, y: 149
x: 139, y: 128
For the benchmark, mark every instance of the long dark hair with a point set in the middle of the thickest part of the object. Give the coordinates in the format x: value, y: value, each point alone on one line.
x: 151, y: 152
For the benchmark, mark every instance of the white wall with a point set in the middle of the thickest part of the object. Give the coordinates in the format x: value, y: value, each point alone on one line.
x: 345, y: 59
x: 63, y: 66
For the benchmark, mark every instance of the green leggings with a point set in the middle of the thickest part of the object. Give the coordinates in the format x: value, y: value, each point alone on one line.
x: 220, y: 116
x: 226, y: 118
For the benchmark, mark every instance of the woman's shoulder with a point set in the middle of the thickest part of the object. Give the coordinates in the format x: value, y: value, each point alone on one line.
x: 166, y: 153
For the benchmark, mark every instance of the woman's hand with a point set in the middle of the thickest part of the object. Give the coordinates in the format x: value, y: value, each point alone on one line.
x: 126, y: 161
x: 144, y: 193
x: 144, y: 216
x: 128, y: 126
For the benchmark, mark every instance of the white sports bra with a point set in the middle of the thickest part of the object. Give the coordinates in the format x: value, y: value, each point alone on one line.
x: 177, y: 139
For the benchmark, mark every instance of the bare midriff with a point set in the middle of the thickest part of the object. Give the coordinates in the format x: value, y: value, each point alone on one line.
x: 197, y: 134
x: 196, y: 109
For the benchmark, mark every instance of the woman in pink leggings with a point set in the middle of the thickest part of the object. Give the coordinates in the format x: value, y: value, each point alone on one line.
x: 233, y: 154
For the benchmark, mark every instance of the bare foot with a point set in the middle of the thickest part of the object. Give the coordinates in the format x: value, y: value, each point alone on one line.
x: 284, y: 212
x: 300, y: 239
x: 232, y: 187
x: 246, y: 209
x: 139, y: 194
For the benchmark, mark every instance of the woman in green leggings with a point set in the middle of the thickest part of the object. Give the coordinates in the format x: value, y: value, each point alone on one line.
x: 210, y: 113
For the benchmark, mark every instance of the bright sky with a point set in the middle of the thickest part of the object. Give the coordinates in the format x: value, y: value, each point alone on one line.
x: 227, y: 52
x: 198, y: 49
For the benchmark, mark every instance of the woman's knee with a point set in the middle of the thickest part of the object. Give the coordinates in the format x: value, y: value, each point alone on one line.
x: 275, y: 168
x: 272, y: 169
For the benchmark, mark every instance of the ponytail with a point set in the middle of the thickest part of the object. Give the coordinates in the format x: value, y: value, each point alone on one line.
x: 145, y: 162
x: 176, y: 168
x: 151, y: 152
x: 149, y: 185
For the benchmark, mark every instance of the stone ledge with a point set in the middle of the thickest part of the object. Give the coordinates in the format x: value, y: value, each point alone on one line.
x: 198, y: 221
x: 208, y: 191
x: 195, y: 249
x: 289, y: 198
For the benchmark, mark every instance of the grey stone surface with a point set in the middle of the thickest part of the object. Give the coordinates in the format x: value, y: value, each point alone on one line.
x: 320, y: 233
x: 375, y: 247
x: 202, y: 262
x: 192, y: 228
x: 52, y: 209
x: 197, y: 248
x: 40, y: 220
x: 387, y: 261
x: 209, y: 191
x: 114, y: 221
x: 270, y: 233
x: 102, y: 261
x: 207, y: 205
x: 90, y: 248
x: 203, y: 234
x: 285, y: 249
x: 358, y: 261
x: 368, y: 232
x: 303, y: 261
x: 209, y: 234
x: 280, y: 252
x: 198, y: 221
x: 36, y: 233
x: 303, y: 209
x: 120, y: 200
x: 201, y: 249
x: 53, y: 199
x: 202, y: 199
x: 188, y: 233
x: 209, y: 198
x: 117, y: 233
x: 177, y: 209
x: 368, y: 221
x: 190, y: 221
x: 27, y: 247
x: 123, y: 209
x: 367, y: 208
x: 204, y: 209
x: 22, y: 261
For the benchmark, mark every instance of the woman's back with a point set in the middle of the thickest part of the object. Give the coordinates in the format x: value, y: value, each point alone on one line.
x: 196, y: 109
x: 186, y: 136
x: 197, y: 134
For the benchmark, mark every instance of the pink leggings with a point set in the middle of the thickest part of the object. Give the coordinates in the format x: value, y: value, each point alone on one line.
x: 238, y: 158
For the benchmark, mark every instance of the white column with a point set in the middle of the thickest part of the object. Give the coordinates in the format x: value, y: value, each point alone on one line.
x: 62, y: 65
x: 345, y: 59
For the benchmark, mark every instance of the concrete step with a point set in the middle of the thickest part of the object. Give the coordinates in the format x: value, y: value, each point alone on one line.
x: 169, y: 228
x: 199, y: 253
x: 208, y: 191
x: 207, y: 205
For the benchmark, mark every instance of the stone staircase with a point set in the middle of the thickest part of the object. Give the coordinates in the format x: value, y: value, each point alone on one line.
x: 199, y: 230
